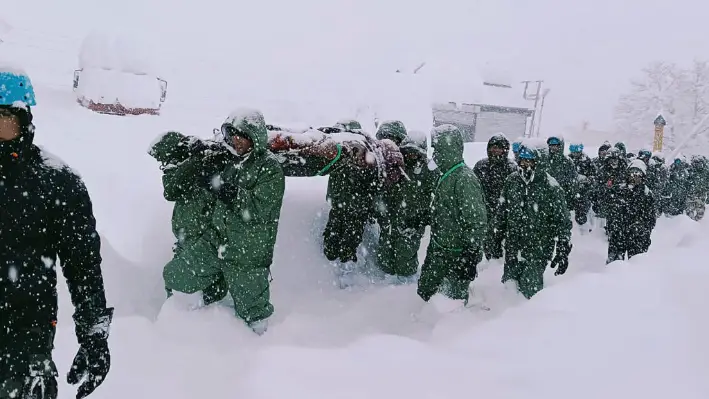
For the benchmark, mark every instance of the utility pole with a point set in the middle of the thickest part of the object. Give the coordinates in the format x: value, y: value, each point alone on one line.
x: 534, y: 97
x: 541, y: 110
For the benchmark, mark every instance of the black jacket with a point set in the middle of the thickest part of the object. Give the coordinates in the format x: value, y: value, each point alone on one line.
x: 631, y: 211
x: 492, y: 176
x: 585, y: 167
x: 45, y: 216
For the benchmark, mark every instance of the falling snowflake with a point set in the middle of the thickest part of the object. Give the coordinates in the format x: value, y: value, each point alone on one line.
x: 246, y: 215
x: 48, y: 262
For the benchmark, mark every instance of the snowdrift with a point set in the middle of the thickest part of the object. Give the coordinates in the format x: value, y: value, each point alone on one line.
x: 597, y: 327
x: 632, y: 329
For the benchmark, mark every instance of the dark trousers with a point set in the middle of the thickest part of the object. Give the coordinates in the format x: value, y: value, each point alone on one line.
x: 343, y: 234
x: 27, y: 370
x: 620, y: 243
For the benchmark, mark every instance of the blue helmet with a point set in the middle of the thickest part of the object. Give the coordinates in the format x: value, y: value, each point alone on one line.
x: 553, y: 140
x: 16, y: 87
x: 526, y: 153
x: 576, y: 148
x: 516, y: 146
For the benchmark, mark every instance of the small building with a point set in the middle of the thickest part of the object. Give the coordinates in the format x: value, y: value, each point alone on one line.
x: 482, y: 105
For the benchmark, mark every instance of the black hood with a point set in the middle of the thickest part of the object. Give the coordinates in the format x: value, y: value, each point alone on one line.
x: 499, y: 141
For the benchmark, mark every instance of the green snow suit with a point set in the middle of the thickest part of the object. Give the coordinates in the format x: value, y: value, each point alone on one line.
x: 404, y: 210
x: 532, y: 217
x: 183, y: 169
x: 562, y: 168
x: 236, y: 247
x: 458, y: 219
x: 351, y: 191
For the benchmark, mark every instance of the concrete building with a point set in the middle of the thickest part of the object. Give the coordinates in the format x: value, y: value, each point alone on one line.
x: 492, y: 109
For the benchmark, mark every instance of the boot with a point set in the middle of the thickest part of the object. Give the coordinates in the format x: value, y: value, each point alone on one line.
x: 259, y: 327
x: 215, y: 292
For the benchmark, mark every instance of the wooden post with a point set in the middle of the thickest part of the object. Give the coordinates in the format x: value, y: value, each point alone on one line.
x: 659, y: 133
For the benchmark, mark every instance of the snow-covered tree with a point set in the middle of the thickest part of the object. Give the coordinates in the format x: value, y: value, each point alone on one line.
x: 680, y: 95
x: 657, y: 92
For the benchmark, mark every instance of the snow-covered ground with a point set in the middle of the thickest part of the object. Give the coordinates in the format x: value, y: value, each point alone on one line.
x: 631, y: 329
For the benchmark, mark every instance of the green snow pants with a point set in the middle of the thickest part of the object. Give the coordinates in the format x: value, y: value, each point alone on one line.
x: 343, y: 233
x: 196, y: 266
x: 440, y: 274
x: 528, y: 273
x: 397, y: 253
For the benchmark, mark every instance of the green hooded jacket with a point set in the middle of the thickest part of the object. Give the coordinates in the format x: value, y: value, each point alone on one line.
x: 181, y: 171
x: 532, y: 215
x: 459, y: 216
x: 247, y: 224
x: 404, y: 208
x: 562, y: 168
x: 352, y: 188
x: 408, y: 201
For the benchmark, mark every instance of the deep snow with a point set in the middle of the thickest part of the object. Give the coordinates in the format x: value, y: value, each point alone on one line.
x: 630, y: 329
x: 633, y: 328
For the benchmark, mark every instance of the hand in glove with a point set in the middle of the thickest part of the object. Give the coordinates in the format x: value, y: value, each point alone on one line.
x: 469, y: 260
x: 561, y: 260
x: 197, y: 147
x: 93, y: 361
x: 228, y: 193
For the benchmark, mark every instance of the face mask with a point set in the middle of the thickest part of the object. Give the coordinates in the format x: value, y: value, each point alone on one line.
x: 527, y: 171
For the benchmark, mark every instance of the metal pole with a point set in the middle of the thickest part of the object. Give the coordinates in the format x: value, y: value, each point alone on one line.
x: 541, y: 111
x: 536, y: 102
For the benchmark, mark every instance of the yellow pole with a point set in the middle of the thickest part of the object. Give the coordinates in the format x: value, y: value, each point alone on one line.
x: 659, y: 133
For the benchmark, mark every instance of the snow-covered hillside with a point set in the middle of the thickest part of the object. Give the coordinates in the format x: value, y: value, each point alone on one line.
x: 631, y: 329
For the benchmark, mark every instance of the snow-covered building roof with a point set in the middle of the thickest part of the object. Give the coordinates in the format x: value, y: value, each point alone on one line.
x: 484, y: 85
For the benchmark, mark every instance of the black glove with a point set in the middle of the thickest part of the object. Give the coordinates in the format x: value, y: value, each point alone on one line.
x: 581, y: 218
x: 93, y: 361
x: 198, y: 148
x: 563, y: 249
x: 228, y: 193
x: 469, y: 260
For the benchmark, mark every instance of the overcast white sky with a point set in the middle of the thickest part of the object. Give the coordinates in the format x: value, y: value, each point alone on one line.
x: 586, y: 50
